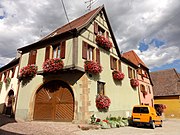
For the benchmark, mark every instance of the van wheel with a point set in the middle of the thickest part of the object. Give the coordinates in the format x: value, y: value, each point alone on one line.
x: 160, y: 125
x: 153, y: 126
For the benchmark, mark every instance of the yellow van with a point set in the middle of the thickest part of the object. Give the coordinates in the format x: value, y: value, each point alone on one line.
x: 146, y: 115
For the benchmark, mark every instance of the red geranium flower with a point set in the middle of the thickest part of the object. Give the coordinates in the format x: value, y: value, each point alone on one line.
x: 92, y: 67
x: 134, y: 82
x: 52, y: 65
x: 28, y: 71
x: 102, y: 102
x: 103, y: 42
x: 117, y: 75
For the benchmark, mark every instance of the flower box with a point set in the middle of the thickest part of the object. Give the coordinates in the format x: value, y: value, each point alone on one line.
x: 117, y: 75
x: 134, y: 82
x: 92, y: 67
x: 103, y: 42
x: 28, y: 71
x: 102, y: 102
x: 52, y: 65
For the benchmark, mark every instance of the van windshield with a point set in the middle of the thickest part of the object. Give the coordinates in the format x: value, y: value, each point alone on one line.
x: 140, y: 110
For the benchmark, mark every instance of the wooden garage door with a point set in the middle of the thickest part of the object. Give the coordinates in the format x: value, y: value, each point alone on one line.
x: 54, y: 102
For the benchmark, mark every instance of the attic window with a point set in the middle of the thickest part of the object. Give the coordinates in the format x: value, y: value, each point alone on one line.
x: 101, y: 31
x: 101, y: 14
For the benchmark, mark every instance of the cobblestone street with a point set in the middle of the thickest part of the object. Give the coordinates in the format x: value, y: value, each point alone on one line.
x: 11, y: 127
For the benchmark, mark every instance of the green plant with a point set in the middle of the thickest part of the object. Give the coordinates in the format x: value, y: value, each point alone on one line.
x: 1, y: 84
x: 8, y: 81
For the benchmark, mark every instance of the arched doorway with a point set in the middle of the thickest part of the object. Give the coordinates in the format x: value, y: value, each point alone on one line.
x: 54, y: 101
x: 10, y: 102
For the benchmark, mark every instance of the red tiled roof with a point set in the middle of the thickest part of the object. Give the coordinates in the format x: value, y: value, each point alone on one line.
x: 133, y: 57
x: 166, y: 82
x: 75, y: 24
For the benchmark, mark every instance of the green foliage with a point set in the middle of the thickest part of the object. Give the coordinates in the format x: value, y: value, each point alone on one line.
x: 8, y: 81
x: 1, y: 84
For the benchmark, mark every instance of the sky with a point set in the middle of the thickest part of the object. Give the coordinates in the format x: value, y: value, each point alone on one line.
x: 149, y: 27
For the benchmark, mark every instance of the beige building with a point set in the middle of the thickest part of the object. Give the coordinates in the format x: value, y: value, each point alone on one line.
x: 8, y: 87
x: 90, y: 55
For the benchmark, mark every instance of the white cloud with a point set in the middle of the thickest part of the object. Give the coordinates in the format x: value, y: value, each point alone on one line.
x: 131, y: 20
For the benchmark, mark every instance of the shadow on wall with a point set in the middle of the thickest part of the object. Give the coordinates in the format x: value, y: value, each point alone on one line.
x: 4, y: 132
x: 5, y: 120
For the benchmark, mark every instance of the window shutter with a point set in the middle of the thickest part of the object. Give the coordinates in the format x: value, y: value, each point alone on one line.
x: 63, y: 49
x: 119, y: 62
x: 84, y: 50
x: 13, y: 71
x: 134, y: 74
x: 129, y: 72
x: 32, y: 57
x: 47, y: 53
x: 111, y: 62
x: 95, y: 28
x: 107, y: 35
x: 97, y: 55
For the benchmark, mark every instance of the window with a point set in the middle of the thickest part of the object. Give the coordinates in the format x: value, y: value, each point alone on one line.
x: 32, y: 57
x: 140, y: 110
x: 59, y: 50
x: 142, y: 88
x: 149, y: 89
x: 88, y: 52
x: 98, y: 30
x: 113, y: 63
x: 100, y: 88
x: 13, y: 71
x: 131, y: 73
x: 47, y: 53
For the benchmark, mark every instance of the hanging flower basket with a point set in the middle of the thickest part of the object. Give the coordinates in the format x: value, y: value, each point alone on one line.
x: 92, y: 67
x: 53, y: 65
x: 103, y: 42
x: 134, y: 83
x: 117, y: 75
x: 28, y: 71
x: 102, y: 102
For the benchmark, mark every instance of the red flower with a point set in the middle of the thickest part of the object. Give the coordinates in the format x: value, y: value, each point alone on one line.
x: 53, y: 65
x: 92, y: 67
x: 103, y: 42
x: 134, y: 82
x: 102, y: 102
x: 117, y: 75
x: 28, y: 71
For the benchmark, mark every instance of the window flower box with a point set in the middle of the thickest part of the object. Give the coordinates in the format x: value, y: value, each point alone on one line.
x: 92, y: 67
x: 53, y: 65
x: 103, y: 42
x: 28, y: 71
x: 117, y: 75
x: 102, y: 102
x: 134, y: 83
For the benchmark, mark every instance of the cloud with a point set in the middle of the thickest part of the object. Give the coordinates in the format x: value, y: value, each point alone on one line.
x: 132, y: 21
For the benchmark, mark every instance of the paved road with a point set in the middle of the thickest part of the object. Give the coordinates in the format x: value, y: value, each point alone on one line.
x: 11, y: 127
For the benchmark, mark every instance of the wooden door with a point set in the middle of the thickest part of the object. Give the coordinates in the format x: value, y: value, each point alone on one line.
x: 54, y: 102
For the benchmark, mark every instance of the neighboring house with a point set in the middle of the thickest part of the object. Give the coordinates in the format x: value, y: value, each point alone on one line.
x: 145, y: 83
x: 70, y: 94
x: 8, y: 86
x: 167, y: 91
